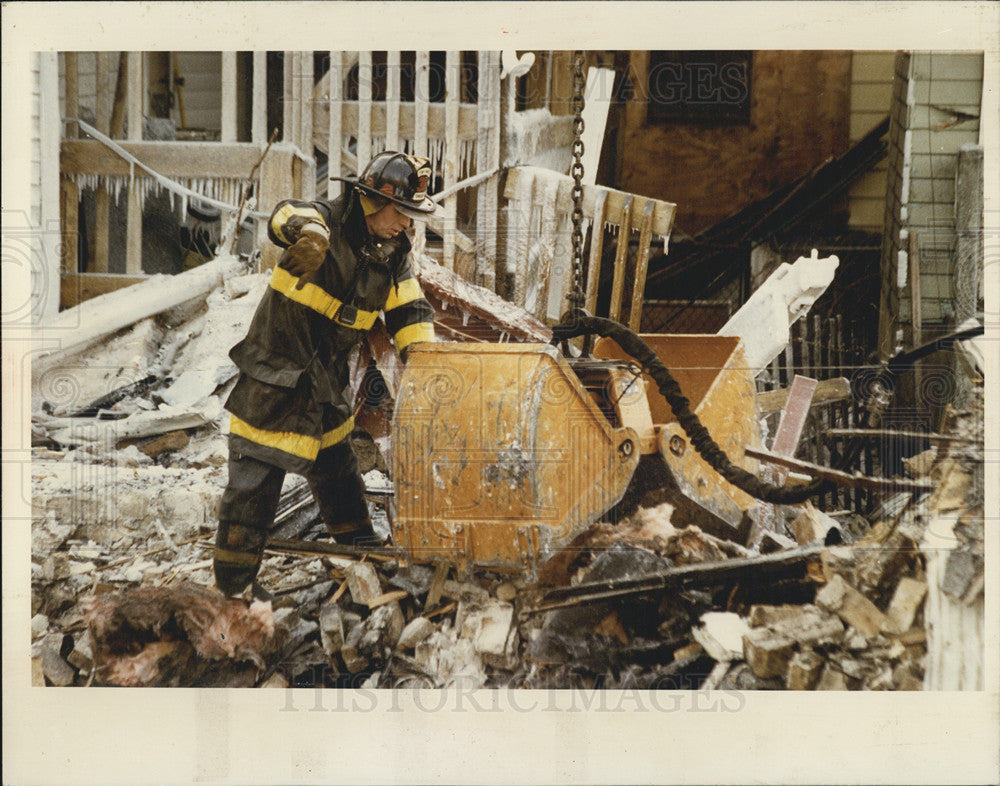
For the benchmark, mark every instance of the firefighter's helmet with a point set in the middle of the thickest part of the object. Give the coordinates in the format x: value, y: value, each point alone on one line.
x: 399, y: 178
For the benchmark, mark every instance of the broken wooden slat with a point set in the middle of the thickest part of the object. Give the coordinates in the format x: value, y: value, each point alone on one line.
x: 258, y: 110
x: 487, y: 159
x: 641, y: 266
x: 441, y: 571
x: 69, y: 193
x: 621, y: 259
x: 335, y: 138
x: 421, y: 106
x: 102, y: 204
x: 536, y: 301
x: 596, y: 247
x: 786, y: 440
x: 392, y: 98
x: 306, y: 103
x: 452, y: 96
x: 386, y: 598
x: 840, y: 478
x: 133, y: 231
x: 364, y: 108
x: 835, y: 389
x: 520, y: 244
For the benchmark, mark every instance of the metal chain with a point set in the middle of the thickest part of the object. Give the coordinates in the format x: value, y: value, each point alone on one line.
x: 576, y: 295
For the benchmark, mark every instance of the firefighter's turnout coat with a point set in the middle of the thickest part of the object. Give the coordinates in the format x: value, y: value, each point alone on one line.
x: 292, y: 397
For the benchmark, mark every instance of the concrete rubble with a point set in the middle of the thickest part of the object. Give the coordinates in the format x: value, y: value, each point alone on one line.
x: 125, y: 490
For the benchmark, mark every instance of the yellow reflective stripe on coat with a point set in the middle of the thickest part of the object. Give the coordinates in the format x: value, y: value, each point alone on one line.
x: 408, y: 291
x: 316, y: 298
x: 299, y: 445
x: 338, y: 434
x: 421, y: 331
x: 279, y: 219
x: 287, y: 441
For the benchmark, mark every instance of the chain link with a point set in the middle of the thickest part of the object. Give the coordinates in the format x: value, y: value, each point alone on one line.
x: 576, y: 295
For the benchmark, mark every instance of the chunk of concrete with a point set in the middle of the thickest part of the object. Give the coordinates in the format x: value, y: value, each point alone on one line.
x: 363, y: 583
x: 903, y: 607
x: 418, y: 629
x: 721, y: 634
x: 767, y: 653
x: 331, y: 628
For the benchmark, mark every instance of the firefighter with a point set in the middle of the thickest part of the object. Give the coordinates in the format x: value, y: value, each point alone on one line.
x: 290, y: 411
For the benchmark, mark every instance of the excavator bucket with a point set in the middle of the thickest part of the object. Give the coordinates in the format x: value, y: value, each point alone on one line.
x: 714, y: 377
x: 501, y: 456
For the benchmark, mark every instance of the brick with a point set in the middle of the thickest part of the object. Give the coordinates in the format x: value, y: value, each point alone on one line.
x: 851, y: 606
x: 766, y: 653
x: 905, y: 603
x: 803, y: 670
x: 761, y: 616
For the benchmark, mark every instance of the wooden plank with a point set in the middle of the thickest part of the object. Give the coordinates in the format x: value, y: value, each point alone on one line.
x: 74, y: 288
x: 72, y: 106
x: 452, y: 74
x: 228, y: 133
x: 560, y: 279
x: 335, y: 127
x: 118, y: 102
x: 258, y: 110
x: 392, y: 97
x: 134, y: 101
x: 598, y: 94
x: 287, y: 108
x: 663, y: 212
x: 487, y: 159
x: 641, y: 266
x: 364, y: 109
x: 98, y: 261
x: 173, y: 159
x: 539, y: 305
x: 70, y: 221
x: 596, y: 247
x: 520, y: 244
x: 621, y: 258
x: 421, y: 105
x: 307, y: 81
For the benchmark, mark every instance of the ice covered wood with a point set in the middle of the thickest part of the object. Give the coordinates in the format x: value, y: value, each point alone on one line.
x: 789, y: 292
x: 103, y: 315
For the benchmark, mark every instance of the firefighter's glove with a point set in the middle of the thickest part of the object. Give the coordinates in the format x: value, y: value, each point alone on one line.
x: 306, y: 256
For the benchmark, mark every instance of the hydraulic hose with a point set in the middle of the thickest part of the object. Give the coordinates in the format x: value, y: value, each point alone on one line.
x: 584, y: 324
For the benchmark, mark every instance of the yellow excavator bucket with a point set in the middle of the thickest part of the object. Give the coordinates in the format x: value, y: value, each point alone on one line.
x: 500, y: 455
x: 713, y: 376
x: 504, y: 453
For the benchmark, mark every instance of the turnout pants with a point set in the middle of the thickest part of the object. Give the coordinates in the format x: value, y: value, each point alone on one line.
x: 250, y: 501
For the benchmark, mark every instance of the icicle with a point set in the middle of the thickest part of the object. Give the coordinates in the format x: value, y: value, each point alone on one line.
x: 465, y: 318
x: 444, y: 305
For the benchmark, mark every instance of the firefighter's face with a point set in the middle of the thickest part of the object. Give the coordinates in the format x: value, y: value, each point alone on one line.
x: 387, y: 222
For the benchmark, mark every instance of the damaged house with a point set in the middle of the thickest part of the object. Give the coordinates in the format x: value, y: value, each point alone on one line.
x: 759, y: 467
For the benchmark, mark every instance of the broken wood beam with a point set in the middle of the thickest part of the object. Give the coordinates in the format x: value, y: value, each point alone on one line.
x: 878, y: 433
x: 827, y: 390
x: 784, y: 564
x: 857, y: 480
x: 328, y: 547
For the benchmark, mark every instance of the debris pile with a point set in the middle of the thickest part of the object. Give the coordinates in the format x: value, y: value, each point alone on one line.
x: 129, y: 465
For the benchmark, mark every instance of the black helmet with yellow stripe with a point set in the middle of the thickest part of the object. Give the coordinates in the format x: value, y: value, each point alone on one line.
x: 398, y: 178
